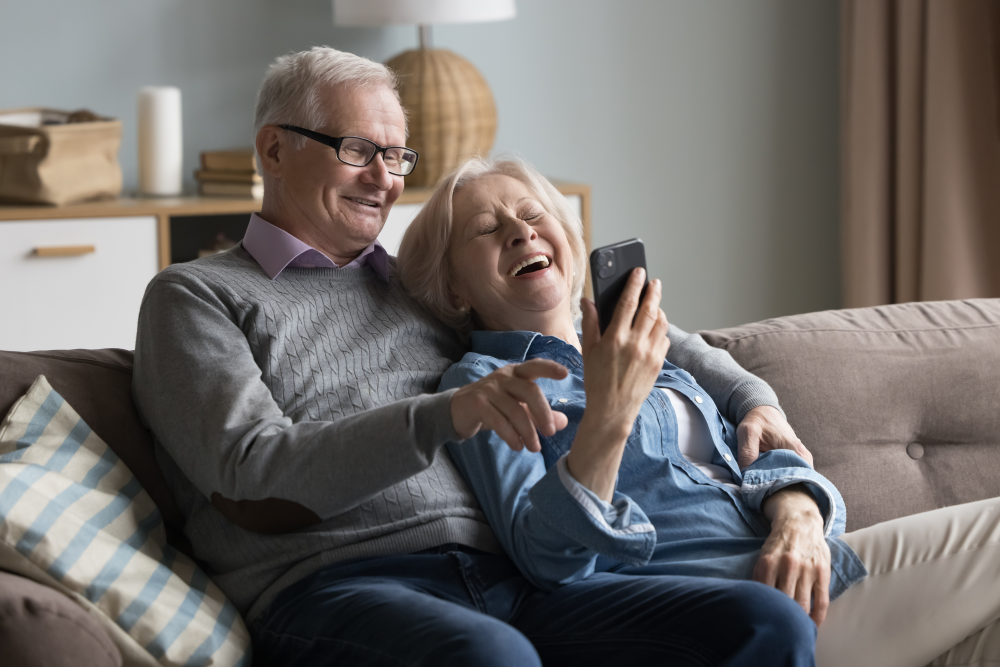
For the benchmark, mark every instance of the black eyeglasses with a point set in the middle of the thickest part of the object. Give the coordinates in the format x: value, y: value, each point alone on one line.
x: 359, y: 152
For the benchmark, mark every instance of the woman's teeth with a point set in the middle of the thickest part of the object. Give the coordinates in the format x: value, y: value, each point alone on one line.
x: 362, y: 201
x: 529, y: 262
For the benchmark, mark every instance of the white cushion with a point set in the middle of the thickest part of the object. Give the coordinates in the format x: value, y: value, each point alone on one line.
x: 74, y: 517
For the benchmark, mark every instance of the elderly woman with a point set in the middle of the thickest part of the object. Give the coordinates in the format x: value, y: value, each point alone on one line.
x: 643, y: 479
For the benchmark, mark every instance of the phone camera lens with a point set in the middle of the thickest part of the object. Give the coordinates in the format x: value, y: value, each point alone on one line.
x: 606, y: 264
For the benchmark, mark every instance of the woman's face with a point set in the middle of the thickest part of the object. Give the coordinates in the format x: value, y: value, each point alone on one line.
x: 511, y: 262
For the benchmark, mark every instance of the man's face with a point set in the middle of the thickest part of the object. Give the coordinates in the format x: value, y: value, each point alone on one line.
x: 340, y: 207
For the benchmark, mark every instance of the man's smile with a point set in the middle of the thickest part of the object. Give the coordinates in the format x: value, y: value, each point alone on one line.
x: 371, y: 203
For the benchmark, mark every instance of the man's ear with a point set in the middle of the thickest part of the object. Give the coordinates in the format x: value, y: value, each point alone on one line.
x: 270, y: 149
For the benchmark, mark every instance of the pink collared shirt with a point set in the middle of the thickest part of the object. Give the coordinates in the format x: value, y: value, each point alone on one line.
x: 275, y: 250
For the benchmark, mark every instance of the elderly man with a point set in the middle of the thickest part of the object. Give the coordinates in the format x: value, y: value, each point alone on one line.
x: 287, y: 384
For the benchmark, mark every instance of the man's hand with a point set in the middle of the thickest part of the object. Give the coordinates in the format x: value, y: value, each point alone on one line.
x: 795, y: 559
x: 508, y: 402
x: 764, y: 429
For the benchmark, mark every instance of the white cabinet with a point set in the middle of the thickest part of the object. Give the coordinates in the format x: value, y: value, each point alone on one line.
x: 84, y: 299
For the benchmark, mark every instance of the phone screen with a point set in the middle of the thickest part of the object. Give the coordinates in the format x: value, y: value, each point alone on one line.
x: 610, y: 268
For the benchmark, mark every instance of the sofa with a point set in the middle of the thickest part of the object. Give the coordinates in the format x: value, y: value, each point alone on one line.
x: 899, y: 404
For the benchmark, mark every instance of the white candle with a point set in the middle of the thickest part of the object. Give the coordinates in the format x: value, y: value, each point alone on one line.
x: 160, y: 141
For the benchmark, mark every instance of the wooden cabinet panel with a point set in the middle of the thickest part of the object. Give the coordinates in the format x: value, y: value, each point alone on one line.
x: 74, y: 283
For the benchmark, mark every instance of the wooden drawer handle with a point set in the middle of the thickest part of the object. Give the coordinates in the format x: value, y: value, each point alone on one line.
x: 65, y: 250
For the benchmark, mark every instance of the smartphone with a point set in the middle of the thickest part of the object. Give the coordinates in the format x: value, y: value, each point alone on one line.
x: 610, y: 268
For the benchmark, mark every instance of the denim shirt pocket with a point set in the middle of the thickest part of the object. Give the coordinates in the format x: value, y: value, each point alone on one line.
x: 554, y: 447
x: 573, y: 406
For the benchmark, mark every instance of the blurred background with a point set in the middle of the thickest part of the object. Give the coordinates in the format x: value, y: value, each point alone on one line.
x: 723, y: 115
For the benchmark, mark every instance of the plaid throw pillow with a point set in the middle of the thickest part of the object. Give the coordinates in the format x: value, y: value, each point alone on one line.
x: 73, y: 517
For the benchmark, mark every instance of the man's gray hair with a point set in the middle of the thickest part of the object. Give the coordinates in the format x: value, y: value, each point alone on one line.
x: 290, y: 91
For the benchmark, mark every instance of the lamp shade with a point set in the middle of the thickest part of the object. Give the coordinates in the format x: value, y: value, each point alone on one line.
x: 420, y: 12
x: 451, y: 111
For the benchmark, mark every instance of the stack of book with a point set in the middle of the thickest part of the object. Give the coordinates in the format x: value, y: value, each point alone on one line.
x: 231, y: 173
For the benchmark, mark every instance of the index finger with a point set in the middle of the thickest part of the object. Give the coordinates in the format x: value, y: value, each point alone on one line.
x: 648, y: 313
x: 628, y: 303
x: 533, y: 397
x: 540, y: 368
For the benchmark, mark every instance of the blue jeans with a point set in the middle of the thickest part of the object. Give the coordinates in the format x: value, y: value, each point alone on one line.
x: 453, y: 605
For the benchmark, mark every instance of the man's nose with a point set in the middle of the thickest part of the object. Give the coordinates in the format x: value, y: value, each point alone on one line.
x: 377, y: 173
x: 522, y: 233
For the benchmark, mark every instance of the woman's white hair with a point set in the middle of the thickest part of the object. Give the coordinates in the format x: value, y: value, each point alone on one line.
x: 290, y: 91
x: 423, y: 263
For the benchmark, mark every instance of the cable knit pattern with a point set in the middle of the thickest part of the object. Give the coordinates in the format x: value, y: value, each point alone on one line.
x: 256, y: 388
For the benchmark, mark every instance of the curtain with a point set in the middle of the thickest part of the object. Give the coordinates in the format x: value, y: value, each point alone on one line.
x: 920, y: 140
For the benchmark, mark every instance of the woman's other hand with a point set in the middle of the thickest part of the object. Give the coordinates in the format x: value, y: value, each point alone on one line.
x: 795, y: 559
x: 508, y: 402
x: 764, y: 429
x: 621, y: 366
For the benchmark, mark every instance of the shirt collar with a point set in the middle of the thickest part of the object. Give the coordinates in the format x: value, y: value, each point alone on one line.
x: 517, y: 346
x: 505, y: 345
x: 275, y: 250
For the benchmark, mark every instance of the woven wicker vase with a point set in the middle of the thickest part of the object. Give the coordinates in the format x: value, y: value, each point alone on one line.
x: 451, y: 111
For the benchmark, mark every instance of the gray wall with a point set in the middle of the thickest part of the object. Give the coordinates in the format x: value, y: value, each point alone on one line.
x: 722, y: 114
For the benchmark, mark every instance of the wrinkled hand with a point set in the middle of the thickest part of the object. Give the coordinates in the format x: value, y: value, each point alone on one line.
x: 508, y: 402
x: 795, y: 559
x: 622, y: 364
x: 620, y: 367
x: 764, y: 429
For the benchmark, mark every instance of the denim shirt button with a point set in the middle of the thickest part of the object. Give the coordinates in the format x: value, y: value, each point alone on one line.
x: 697, y: 399
x: 564, y: 400
x: 727, y: 457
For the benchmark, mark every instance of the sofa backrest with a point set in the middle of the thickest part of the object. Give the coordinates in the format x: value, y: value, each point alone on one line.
x: 900, y: 405
x: 98, y: 384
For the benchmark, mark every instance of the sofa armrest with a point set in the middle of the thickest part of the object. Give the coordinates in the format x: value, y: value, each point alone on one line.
x: 98, y: 384
x: 41, y: 627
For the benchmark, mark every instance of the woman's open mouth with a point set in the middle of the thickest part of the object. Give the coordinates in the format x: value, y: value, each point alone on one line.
x: 529, y: 265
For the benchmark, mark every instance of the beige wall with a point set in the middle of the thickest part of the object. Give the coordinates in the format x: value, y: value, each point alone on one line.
x: 725, y: 112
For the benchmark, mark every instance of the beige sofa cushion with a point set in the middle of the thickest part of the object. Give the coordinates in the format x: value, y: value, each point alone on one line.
x: 900, y: 404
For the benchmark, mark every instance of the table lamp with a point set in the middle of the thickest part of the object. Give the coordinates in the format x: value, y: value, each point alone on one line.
x: 451, y: 111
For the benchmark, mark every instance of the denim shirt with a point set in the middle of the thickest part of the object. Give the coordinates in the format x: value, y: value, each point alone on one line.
x: 665, y: 517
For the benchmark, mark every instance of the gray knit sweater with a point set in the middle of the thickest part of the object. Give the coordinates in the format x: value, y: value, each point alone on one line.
x: 315, y: 387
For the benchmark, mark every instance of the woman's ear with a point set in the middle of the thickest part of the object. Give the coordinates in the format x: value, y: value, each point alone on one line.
x: 459, y: 303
